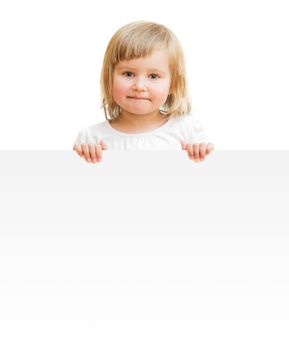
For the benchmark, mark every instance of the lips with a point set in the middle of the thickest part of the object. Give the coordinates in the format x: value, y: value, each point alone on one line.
x: 137, y: 98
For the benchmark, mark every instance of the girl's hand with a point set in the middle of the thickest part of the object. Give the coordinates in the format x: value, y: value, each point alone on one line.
x: 91, y: 152
x: 197, y: 151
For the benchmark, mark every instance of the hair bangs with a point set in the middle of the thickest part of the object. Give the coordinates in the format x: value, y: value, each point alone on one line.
x: 139, y: 42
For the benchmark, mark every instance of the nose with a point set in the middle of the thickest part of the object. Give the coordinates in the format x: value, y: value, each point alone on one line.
x: 139, y: 85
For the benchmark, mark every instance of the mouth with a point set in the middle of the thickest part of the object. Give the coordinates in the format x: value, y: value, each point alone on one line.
x: 138, y: 98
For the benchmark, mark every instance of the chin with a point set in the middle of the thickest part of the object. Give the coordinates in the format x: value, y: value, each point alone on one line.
x: 138, y: 111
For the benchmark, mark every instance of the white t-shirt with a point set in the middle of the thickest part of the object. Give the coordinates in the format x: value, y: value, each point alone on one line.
x: 187, y: 128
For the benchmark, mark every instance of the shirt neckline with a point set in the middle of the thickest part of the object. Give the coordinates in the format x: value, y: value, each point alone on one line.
x: 137, y: 133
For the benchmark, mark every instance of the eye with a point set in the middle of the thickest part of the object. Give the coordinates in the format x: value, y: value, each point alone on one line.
x: 128, y: 74
x: 154, y: 76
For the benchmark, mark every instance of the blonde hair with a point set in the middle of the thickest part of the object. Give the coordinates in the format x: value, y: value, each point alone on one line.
x: 140, y: 39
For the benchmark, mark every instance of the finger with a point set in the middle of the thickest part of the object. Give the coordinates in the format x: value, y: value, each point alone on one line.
x: 92, y: 152
x: 98, y: 150
x: 78, y: 150
x: 85, y: 150
x: 103, y: 145
x: 203, y: 148
x: 210, y: 147
x: 184, y: 145
x: 190, y: 151
x: 196, y: 152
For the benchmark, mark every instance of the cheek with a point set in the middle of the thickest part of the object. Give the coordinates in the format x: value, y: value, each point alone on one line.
x: 119, y: 88
x: 162, y: 90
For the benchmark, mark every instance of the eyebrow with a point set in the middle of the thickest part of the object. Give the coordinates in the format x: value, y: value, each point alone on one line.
x: 133, y: 69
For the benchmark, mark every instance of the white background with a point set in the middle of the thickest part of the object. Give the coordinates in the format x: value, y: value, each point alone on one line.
x: 51, y: 56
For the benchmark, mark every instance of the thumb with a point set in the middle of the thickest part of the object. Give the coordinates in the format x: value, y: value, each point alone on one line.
x: 184, y: 145
x: 210, y: 147
x: 103, y: 145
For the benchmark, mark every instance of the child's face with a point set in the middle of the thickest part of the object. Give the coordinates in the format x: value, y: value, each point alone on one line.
x: 141, y: 85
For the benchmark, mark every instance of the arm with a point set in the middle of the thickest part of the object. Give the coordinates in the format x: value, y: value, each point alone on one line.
x: 197, y: 145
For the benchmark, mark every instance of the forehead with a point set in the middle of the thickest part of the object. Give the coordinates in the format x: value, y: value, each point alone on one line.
x: 157, y: 60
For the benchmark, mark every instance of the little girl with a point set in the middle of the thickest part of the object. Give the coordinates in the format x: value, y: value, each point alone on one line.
x: 144, y: 97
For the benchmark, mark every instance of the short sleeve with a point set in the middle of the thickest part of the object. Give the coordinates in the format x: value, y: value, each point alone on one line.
x: 85, y: 136
x: 81, y: 138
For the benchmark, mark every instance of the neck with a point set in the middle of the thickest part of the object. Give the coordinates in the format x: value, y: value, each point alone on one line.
x: 131, y: 123
x: 140, y: 120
